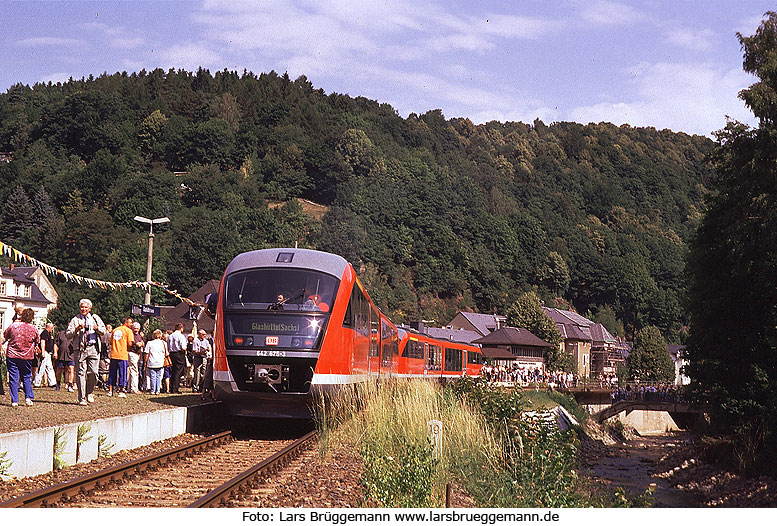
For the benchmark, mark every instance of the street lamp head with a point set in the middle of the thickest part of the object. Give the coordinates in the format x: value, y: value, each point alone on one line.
x: 157, y: 221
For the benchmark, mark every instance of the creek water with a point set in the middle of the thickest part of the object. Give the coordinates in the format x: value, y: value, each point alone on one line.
x: 631, y: 464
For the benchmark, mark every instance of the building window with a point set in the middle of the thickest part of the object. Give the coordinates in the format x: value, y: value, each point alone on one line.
x: 2, y: 288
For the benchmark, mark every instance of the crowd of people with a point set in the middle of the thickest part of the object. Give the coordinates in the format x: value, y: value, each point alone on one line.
x: 648, y: 393
x: 89, y: 354
x: 525, y: 376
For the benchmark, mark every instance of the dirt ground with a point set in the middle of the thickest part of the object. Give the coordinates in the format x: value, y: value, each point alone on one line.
x: 681, y: 474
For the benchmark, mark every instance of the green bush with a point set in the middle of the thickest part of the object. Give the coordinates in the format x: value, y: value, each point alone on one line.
x: 59, y: 448
x: 399, y: 477
x: 104, y: 447
x: 5, y: 464
x: 497, y: 404
x: 82, y: 437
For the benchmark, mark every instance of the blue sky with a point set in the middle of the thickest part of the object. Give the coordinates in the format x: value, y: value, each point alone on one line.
x: 667, y: 64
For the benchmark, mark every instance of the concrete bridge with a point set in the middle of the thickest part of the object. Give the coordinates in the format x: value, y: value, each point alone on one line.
x: 628, y: 406
x: 645, y: 416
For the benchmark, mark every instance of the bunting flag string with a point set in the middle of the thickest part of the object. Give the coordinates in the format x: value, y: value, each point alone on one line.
x: 24, y: 259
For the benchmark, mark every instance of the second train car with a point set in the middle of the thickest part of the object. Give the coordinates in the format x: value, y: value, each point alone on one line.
x: 293, y: 323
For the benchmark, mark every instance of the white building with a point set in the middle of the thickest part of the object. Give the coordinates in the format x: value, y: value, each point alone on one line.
x: 28, y: 287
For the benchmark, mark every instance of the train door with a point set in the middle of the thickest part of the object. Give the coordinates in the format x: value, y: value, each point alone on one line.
x: 389, y: 347
x: 374, y: 351
x: 433, y: 360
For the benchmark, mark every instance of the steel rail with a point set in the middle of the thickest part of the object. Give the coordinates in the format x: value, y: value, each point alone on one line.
x: 238, y: 485
x: 104, y: 477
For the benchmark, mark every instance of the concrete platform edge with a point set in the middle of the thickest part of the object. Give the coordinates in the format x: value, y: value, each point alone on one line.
x: 31, y: 451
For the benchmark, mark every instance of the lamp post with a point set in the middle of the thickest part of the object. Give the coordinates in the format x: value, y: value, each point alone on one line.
x: 149, y: 261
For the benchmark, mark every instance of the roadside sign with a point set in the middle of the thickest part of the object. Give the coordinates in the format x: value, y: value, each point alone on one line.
x: 145, y: 310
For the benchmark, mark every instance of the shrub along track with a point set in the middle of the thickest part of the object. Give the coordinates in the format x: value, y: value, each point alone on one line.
x: 187, y: 475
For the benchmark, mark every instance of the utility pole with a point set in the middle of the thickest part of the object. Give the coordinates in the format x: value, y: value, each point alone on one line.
x: 150, y: 258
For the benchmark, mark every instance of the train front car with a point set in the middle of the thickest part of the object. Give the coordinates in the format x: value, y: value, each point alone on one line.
x: 279, y: 337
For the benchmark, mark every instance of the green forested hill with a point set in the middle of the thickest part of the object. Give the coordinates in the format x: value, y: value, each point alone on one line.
x: 438, y: 214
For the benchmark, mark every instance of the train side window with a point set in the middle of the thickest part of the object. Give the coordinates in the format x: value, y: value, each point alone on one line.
x: 413, y: 349
x: 452, y: 359
x: 389, y: 344
x: 434, y: 358
x: 348, y: 321
x: 362, y: 314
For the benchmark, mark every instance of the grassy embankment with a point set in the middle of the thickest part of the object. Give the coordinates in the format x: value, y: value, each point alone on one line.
x: 499, y: 458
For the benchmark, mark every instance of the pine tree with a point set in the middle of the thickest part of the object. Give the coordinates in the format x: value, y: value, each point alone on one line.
x: 17, y: 223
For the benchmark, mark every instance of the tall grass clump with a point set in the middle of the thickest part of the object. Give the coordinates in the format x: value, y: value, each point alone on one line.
x: 500, y: 457
x: 388, y: 426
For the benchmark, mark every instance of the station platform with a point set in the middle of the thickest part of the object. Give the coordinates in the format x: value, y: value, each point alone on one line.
x: 82, y: 433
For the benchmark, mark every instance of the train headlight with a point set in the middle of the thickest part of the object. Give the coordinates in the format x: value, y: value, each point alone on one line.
x: 315, y: 324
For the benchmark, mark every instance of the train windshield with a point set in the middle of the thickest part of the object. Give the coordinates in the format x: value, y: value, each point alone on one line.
x: 281, y: 289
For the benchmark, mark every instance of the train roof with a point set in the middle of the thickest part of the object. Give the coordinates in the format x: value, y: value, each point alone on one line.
x: 290, y: 257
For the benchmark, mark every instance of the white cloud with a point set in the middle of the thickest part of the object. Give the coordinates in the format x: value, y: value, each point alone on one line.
x: 51, y: 42
x: 694, y: 98
x: 604, y: 13
x: 335, y: 28
x: 56, y: 77
x: 190, y: 56
x: 126, y: 42
x: 748, y: 26
x: 697, y: 40
x: 115, y: 36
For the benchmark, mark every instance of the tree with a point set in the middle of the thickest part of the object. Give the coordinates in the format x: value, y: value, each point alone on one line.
x: 151, y: 133
x: 527, y: 313
x: 732, y: 268
x: 18, y: 221
x: 649, y: 360
x: 606, y: 316
x: 555, y: 274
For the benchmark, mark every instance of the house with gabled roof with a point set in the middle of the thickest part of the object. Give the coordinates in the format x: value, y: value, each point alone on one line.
x: 514, y: 347
x: 26, y: 287
x: 591, y: 345
x: 483, y: 324
x: 677, y: 352
x: 181, y: 313
x: 453, y: 335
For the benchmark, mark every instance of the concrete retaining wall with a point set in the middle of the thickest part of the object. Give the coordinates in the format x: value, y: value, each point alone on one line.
x: 32, y: 451
x: 647, y: 422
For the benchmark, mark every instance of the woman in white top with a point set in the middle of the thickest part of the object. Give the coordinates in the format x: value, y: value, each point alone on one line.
x: 156, y: 351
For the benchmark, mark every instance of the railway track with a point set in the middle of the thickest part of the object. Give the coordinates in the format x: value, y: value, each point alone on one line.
x: 206, y: 473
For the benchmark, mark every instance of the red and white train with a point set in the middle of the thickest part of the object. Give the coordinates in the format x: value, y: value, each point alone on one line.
x: 293, y: 323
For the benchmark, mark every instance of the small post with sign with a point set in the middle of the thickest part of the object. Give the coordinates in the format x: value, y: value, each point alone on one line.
x: 434, y: 430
